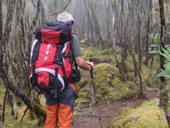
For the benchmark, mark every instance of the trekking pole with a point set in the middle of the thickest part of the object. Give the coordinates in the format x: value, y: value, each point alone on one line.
x: 95, y: 97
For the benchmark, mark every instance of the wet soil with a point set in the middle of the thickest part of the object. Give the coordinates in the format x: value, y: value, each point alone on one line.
x: 100, y: 115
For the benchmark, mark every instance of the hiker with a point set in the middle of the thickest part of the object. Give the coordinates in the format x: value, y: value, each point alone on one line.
x: 59, y: 107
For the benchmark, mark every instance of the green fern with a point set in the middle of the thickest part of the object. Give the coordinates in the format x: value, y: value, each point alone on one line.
x: 154, y: 38
x: 155, y: 49
x: 165, y: 52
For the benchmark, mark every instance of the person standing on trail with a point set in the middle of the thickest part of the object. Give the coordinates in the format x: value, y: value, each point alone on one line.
x: 60, y: 110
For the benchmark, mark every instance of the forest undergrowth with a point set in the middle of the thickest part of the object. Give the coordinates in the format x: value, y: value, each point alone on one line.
x: 109, y: 88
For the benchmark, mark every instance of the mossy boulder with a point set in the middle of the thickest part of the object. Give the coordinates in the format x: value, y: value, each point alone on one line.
x: 147, y: 115
x: 103, y: 75
x: 107, y: 85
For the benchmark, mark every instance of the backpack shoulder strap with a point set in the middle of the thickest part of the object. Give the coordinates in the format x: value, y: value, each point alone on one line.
x: 71, y: 47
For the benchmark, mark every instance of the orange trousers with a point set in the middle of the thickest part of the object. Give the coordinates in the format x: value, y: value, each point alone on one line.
x: 60, y: 110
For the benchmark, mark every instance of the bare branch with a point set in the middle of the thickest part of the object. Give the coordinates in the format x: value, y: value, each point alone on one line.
x: 33, y: 2
x: 55, y: 13
x: 34, y: 21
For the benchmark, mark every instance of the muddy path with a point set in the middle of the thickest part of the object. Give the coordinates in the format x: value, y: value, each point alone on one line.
x: 88, y: 117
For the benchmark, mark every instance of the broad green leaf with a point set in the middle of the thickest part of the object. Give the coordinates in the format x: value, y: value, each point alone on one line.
x: 167, y: 66
x: 165, y: 51
x: 154, y: 52
x: 166, y: 55
x: 154, y: 45
x: 167, y: 48
x: 161, y: 74
x: 167, y: 76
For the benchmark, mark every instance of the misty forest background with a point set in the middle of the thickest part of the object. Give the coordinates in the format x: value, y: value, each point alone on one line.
x: 116, y: 34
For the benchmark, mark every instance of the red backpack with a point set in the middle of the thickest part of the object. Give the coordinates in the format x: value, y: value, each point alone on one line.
x: 51, y: 57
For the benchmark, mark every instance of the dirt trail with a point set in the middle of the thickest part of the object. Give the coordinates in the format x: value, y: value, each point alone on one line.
x: 87, y: 117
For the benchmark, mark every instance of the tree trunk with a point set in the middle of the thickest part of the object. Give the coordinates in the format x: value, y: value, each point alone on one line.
x: 164, y: 93
x: 147, y: 56
x: 123, y: 46
x: 139, y: 37
x: 24, y: 97
x: 9, y: 84
x: 136, y: 68
x: 0, y: 21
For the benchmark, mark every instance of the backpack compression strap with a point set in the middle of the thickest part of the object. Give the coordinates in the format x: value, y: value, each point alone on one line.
x: 34, y: 51
x: 59, y: 62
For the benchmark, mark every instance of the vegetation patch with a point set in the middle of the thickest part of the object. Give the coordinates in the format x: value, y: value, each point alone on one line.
x: 147, y: 115
x: 12, y: 123
x: 103, y: 55
x: 108, y: 86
